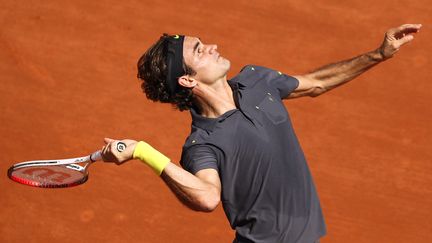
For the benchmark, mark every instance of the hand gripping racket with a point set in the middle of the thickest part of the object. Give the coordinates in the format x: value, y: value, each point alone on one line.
x: 56, y: 173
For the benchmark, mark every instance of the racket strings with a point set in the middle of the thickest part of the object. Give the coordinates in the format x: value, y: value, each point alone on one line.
x: 50, y: 176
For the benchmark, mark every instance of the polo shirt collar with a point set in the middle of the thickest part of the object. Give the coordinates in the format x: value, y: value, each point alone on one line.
x: 236, y: 82
x: 209, y: 124
x: 240, y: 80
x: 206, y: 123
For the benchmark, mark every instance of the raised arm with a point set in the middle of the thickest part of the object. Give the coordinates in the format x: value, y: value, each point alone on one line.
x: 333, y: 75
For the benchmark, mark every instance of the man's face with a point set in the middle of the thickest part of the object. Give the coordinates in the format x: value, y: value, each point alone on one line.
x: 204, y: 60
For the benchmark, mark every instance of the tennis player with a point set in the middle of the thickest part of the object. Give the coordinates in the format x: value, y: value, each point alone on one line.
x: 242, y: 149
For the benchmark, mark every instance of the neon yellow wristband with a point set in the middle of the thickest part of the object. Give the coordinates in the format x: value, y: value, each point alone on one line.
x: 147, y: 154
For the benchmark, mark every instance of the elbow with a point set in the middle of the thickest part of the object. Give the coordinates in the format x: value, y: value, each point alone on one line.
x: 315, y: 94
x: 209, y: 204
x: 205, y: 205
x: 317, y: 91
x: 208, y: 208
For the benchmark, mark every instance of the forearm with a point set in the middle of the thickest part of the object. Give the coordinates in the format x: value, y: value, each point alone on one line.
x: 199, y: 192
x: 191, y: 190
x: 336, y: 74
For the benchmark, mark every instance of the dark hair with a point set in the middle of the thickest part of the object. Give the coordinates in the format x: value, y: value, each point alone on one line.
x: 152, y: 70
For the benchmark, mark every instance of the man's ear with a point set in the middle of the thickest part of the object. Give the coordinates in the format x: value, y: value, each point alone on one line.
x: 187, y: 81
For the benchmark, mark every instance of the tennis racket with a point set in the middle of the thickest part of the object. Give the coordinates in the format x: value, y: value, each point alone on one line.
x: 56, y: 173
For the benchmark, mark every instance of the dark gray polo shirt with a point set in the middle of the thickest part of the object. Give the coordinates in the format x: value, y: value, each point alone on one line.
x: 268, y: 193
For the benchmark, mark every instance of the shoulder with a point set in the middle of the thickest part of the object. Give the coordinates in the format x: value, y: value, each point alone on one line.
x: 199, y: 142
x: 250, y: 68
x: 197, y: 137
x: 197, y: 156
x: 258, y: 76
x: 251, y: 74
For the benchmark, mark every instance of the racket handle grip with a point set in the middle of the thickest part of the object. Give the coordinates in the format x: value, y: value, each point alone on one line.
x: 96, y: 156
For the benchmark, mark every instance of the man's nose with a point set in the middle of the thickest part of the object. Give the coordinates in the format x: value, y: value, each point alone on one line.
x: 212, y: 49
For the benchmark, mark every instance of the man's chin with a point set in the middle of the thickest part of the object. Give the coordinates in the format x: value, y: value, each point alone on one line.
x: 228, y: 65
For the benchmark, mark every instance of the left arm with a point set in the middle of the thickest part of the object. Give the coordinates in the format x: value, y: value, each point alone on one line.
x: 333, y: 75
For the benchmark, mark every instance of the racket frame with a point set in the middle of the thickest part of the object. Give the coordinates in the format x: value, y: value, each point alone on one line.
x: 68, y: 163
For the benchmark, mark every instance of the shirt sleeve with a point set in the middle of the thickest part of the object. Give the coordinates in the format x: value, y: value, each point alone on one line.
x: 250, y: 75
x: 199, y: 157
x: 285, y: 84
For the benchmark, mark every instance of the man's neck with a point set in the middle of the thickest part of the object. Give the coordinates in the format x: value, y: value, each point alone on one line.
x: 214, y: 100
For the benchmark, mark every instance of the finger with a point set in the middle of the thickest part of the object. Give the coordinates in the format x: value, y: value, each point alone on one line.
x: 106, y: 150
x: 405, y: 40
x: 108, y: 140
x: 103, y: 153
x: 408, y: 28
x: 107, y: 154
x: 403, y: 33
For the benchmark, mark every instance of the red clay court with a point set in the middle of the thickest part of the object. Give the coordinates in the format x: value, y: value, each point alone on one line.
x: 68, y: 79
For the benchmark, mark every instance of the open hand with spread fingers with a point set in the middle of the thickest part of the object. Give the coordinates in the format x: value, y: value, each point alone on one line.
x: 397, y: 37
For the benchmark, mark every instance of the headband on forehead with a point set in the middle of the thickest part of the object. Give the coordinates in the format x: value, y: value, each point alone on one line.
x: 174, y: 60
